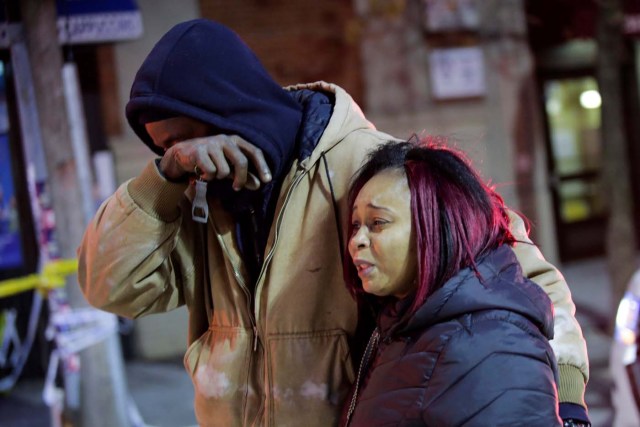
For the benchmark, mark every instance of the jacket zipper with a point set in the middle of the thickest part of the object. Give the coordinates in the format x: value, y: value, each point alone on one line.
x: 267, y: 259
x: 244, y: 288
x: 252, y: 308
x: 372, y: 345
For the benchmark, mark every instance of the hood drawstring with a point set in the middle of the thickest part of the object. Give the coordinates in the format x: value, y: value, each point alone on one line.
x: 208, y: 297
x: 336, y: 211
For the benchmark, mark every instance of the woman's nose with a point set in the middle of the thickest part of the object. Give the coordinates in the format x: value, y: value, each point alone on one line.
x: 360, y: 239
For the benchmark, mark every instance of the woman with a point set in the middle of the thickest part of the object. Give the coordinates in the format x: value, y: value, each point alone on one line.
x: 461, y: 337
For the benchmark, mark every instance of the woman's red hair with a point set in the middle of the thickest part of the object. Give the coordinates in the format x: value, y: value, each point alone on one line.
x: 456, y: 217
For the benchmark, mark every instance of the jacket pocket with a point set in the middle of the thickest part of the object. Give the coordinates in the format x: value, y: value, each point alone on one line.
x: 309, y: 376
x: 219, y: 364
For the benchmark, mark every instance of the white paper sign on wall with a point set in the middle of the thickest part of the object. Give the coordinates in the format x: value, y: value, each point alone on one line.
x: 457, y: 73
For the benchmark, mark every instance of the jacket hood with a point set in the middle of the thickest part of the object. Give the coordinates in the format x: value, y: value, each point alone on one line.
x: 346, y: 117
x: 203, y: 70
x: 500, y: 287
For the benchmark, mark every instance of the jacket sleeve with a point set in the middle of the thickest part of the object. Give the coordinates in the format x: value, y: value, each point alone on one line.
x: 568, y: 343
x: 497, y: 371
x: 134, y: 256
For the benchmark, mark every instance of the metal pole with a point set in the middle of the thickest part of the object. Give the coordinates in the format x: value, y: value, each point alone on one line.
x: 79, y: 139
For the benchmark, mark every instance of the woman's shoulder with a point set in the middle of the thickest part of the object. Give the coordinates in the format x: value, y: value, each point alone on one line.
x: 480, y: 334
x: 500, y: 355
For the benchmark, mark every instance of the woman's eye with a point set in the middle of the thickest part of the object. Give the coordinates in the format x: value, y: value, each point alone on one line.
x: 378, y: 223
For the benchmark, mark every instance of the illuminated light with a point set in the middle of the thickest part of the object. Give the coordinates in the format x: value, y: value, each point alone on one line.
x: 553, y: 106
x: 626, y: 336
x: 627, y: 315
x: 590, y: 99
x: 629, y: 354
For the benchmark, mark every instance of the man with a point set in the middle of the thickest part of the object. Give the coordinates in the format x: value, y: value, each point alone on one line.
x: 272, y: 326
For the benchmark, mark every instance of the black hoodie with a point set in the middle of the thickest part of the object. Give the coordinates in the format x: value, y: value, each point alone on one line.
x: 203, y: 70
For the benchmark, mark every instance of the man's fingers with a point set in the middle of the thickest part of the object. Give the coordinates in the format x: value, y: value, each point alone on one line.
x: 238, y: 161
x: 217, y: 156
x: 205, y: 168
x: 223, y: 157
x: 256, y: 157
x: 253, y: 183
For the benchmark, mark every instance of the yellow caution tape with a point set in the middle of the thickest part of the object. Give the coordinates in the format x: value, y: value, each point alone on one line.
x: 52, y: 276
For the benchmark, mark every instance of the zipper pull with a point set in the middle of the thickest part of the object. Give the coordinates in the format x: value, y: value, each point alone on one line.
x: 255, y: 338
x: 199, y: 207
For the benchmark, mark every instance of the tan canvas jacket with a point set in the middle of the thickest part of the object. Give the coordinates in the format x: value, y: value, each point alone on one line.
x: 277, y: 355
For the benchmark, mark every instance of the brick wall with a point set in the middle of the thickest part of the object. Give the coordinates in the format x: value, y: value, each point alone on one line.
x: 297, y: 41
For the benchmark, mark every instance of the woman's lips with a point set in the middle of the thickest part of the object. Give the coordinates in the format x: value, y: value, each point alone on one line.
x: 364, y: 268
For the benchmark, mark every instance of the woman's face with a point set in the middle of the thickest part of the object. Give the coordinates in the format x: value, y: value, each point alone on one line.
x: 382, y: 246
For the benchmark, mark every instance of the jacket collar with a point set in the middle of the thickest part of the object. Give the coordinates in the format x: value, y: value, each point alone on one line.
x: 346, y: 118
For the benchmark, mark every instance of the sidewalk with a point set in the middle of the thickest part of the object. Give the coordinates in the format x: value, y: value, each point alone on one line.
x: 164, y: 394
x: 589, y: 285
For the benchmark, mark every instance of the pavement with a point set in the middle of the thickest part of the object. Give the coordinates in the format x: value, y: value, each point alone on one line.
x: 590, y: 288
x: 163, y: 393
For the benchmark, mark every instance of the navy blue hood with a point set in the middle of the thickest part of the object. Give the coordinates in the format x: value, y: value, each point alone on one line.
x: 203, y: 70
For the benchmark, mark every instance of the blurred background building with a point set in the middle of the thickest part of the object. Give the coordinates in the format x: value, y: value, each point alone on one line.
x: 514, y: 83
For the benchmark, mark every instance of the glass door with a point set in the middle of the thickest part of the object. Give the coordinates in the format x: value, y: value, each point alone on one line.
x: 572, y: 108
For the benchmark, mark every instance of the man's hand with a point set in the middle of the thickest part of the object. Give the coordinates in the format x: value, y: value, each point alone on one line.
x: 217, y: 157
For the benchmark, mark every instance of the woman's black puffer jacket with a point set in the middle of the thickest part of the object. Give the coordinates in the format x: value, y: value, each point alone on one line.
x: 475, y: 354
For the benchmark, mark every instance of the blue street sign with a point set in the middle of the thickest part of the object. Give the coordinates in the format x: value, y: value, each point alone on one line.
x: 95, y: 21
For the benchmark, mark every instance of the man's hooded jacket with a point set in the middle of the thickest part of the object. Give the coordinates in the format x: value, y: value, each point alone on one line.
x: 270, y: 346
